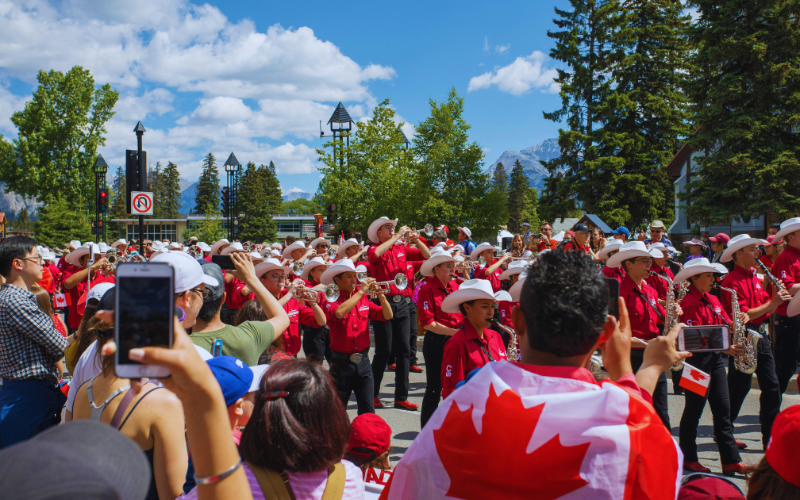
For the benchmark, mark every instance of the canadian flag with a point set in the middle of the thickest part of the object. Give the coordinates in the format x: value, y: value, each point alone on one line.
x: 60, y: 301
x: 694, y: 380
x: 512, y: 434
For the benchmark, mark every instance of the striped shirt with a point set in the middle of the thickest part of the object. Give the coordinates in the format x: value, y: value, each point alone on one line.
x: 30, y: 346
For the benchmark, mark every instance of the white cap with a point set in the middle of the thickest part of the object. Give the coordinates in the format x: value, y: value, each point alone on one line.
x: 469, y: 290
x: 233, y: 247
x: 103, y: 247
x: 203, y: 247
x: 75, y: 244
x: 175, y: 246
x: 277, y: 246
x: 466, y: 231
x: 258, y: 374
x: 188, y: 272
x: 120, y: 243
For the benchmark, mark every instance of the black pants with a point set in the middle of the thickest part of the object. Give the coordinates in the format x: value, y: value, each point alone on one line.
x: 433, y: 351
x: 660, y: 394
x: 770, y: 400
x: 717, y: 396
x: 397, y: 330
x: 317, y: 343
x: 349, y: 377
x: 412, y: 356
x: 787, y: 343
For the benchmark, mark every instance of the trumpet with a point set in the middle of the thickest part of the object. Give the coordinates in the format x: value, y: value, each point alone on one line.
x: 412, y: 234
x: 248, y: 246
x: 297, y: 267
x: 331, y: 252
x: 400, y: 281
x: 137, y: 258
x: 465, y: 267
x: 112, y: 256
x: 429, y: 230
x: 195, y: 252
x: 361, y: 276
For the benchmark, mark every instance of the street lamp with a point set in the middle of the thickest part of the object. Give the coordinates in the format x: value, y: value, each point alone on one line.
x: 232, y: 167
x: 339, y: 117
x: 405, y: 140
x: 100, y: 169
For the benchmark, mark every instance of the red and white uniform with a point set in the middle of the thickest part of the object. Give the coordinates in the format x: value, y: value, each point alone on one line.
x: 429, y: 303
x: 614, y: 272
x: 466, y: 351
x: 298, y: 314
x: 749, y: 292
x: 494, y: 278
x: 505, y: 307
x: 787, y: 269
x: 350, y: 334
x: 391, y: 263
x: 644, y: 311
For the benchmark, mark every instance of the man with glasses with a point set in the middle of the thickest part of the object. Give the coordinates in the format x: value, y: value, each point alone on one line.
x: 546, y: 241
x: 321, y: 246
x: 658, y: 234
x: 30, y: 347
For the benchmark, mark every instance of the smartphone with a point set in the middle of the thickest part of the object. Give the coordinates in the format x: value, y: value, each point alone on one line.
x: 144, y: 309
x: 703, y: 338
x: 613, y: 297
x: 216, y: 351
x: 536, y: 236
x: 223, y: 261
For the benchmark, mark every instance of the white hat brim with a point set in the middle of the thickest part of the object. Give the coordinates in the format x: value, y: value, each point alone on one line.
x: 790, y: 228
x: 215, y: 246
x: 74, y: 256
x: 268, y: 266
x: 335, y: 270
x: 511, y: 271
x: 603, y: 253
x: 287, y: 252
x: 690, y: 271
x: 427, y: 266
x: 451, y: 302
x: 502, y: 296
x: 343, y: 247
x: 308, y: 267
x: 480, y: 249
x: 372, y: 233
x: 727, y: 255
x: 616, y: 259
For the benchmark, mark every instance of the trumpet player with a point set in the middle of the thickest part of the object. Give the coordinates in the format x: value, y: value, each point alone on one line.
x: 605, y: 253
x: 758, y: 305
x: 491, y: 271
x: 787, y: 330
x: 348, y: 318
x: 296, y: 252
x: 386, y: 261
x: 75, y: 278
x: 321, y: 247
x: 316, y: 340
x: 351, y: 249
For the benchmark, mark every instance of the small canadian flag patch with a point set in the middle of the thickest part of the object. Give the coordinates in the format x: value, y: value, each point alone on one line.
x: 694, y: 380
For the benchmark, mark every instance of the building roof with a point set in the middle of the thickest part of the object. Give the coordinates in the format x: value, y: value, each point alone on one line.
x: 679, y: 160
x: 563, y: 224
x: 340, y: 115
x: 595, y: 221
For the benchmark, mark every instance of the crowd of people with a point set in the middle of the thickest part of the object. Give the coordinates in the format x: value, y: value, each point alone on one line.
x: 527, y: 355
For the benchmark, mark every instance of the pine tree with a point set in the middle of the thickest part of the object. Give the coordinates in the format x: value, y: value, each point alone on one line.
x: 256, y: 225
x: 531, y: 212
x: 154, y: 186
x: 517, y: 197
x: 208, y: 191
x: 500, y: 178
x: 273, y: 188
x: 744, y: 87
x: 209, y: 229
x: 23, y: 220
x: 60, y: 222
x: 118, y: 208
x: 170, y: 181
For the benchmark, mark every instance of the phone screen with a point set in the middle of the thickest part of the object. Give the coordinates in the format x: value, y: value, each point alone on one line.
x: 223, y: 261
x: 704, y: 338
x: 613, y: 296
x: 144, y: 313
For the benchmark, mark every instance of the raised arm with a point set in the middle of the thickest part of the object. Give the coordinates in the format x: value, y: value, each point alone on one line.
x: 272, y: 308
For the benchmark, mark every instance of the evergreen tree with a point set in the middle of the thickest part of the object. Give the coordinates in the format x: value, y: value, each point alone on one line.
x: 60, y: 222
x: 208, y: 191
x: 23, y: 220
x: 170, y: 182
x: 257, y: 224
x: 118, y: 208
x: 744, y: 88
x: 154, y: 185
x: 209, y: 229
x: 272, y: 187
x: 517, y: 197
x: 500, y: 178
x: 531, y: 212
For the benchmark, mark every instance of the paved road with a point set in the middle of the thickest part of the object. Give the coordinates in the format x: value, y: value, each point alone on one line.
x: 406, y: 424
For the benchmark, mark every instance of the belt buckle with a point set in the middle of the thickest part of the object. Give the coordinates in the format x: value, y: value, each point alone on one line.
x: 397, y: 298
x: 408, y: 300
x: 356, y: 358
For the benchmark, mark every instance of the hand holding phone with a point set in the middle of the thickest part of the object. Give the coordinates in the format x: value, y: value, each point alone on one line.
x: 710, y: 338
x: 613, y: 295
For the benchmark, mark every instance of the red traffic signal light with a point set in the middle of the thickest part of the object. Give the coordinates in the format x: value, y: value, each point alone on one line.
x: 102, y: 201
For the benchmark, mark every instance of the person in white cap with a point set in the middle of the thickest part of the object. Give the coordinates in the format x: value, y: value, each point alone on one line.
x: 316, y: 339
x: 218, y: 246
x: 757, y: 303
x: 700, y: 308
x: 474, y: 344
x: 465, y: 240
x: 491, y: 270
x: 203, y: 247
x: 387, y: 260
x: 75, y: 278
x: 787, y: 329
x: 605, y: 253
x: 348, y: 318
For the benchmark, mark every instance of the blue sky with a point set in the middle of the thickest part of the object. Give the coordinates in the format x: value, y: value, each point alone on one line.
x: 256, y: 77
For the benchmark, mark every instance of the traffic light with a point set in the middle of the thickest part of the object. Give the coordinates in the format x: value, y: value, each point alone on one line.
x: 98, y: 228
x: 102, y: 201
x: 226, y: 201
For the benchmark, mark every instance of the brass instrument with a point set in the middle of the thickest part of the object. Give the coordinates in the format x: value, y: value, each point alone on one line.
x: 747, y: 339
x: 412, y: 234
x: 429, y: 230
x: 297, y: 267
x: 304, y: 293
x: 512, y: 353
x: 595, y: 363
x: 400, y: 281
x: 248, y: 246
x: 113, y: 256
x: 671, y: 308
x: 361, y: 276
x: 195, y: 252
x: 137, y: 258
x: 465, y: 267
x: 331, y: 252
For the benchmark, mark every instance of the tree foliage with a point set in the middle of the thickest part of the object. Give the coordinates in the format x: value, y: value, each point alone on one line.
x: 531, y: 212
x: 500, y: 178
x: 208, y: 191
x: 209, y: 229
x: 170, y: 185
x: 257, y: 202
x: 300, y: 206
x: 60, y: 222
x: 58, y: 134
x: 517, y: 197
x: 118, y: 208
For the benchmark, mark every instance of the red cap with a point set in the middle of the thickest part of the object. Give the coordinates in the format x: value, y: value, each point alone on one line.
x: 131, y: 249
x: 371, y: 432
x: 783, y: 444
x: 721, y: 238
x: 571, y: 233
x: 771, y: 240
x: 443, y: 228
x: 709, y: 487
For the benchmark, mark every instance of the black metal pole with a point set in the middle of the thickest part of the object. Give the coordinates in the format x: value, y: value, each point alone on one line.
x: 96, y: 208
x: 142, y: 186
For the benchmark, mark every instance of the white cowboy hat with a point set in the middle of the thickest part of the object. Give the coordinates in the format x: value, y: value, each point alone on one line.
x: 631, y: 250
x: 315, y: 262
x: 74, y: 256
x: 516, y: 289
x: 469, y: 290
x: 737, y: 243
x: 610, y: 247
x: 695, y: 241
x: 203, y: 247
x: 275, y: 253
x: 457, y: 248
x: 443, y: 245
x: 277, y: 246
x: 216, y: 246
x: 516, y: 267
x: 287, y: 252
x: 75, y: 244
x: 119, y: 243
x: 438, y: 256
x: 502, y: 296
x: 103, y: 247
x: 466, y: 231
x: 372, y: 233
x: 317, y: 241
x: 342, y: 266
x: 256, y: 257
x: 478, y: 249
x: 794, y: 306
x: 157, y: 246
x: 664, y: 248
x: 269, y: 265
x: 698, y: 266
x: 344, y: 246
x: 233, y: 247
x: 174, y: 246
x: 788, y: 226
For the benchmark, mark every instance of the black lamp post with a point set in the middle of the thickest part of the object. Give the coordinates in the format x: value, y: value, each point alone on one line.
x: 339, y: 117
x: 100, y: 169
x: 405, y: 140
x: 232, y: 167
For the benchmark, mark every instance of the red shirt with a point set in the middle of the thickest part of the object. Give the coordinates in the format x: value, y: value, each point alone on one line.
x: 571, y: 245
x: 429, y: 303
x: 767, y: 261
x: 661, y: 286
x: 614, y: 272
x: 700, y: 309
x: 55, y: 273
x: 505, y: 307
x: 466, y: 351
x: 542, y: 245
x: 787, y: 269
x: 74, y: 295
x: 47, y: 283
x: 351, y: 333
x: 298, y: 314
x: 749, y: 293
x: 412, y: 266
x: 642, y: 305
x: 494, y: 278
x: 59, y: 325
x: 391, y: 263
x: 235, y: 299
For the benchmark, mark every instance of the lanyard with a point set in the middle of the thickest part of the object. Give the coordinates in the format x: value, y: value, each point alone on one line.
x: 644, y: 298
x: 718, y: 315
x: 483, y: 348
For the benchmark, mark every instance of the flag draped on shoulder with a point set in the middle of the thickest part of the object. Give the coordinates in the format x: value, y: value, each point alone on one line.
x: 513, y: 434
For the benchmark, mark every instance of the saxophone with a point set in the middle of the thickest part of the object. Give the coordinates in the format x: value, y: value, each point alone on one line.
x: 512, y: 353
x: 747, y: 339
x: 671, y: 308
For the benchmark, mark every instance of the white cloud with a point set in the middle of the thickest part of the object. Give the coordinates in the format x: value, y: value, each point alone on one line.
x: 522, y: 75
x: 500, y: 49
x: 9, y: 103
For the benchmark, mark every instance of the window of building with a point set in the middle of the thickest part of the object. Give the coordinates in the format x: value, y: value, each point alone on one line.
x: 155, y: 232
x: 289, y: 227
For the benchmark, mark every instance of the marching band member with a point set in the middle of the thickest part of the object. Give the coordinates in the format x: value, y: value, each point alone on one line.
x: 272, y: 275
x: 787, y: 330
x: 412, y: 267
x: 464, y: 239
x: 203, y: 247
x: 321, y: 247
x: 316, y: 340
x: 644, y: 310
x: 506, y: 306
x: 233, y: 286
x: 446, y: 239
x: 700, y: 308
x: 387, y: 260
x: 757, y: 304
x: 491, y: 270
x: 295, y: 252
x: 770, y: 252
x: 473, y: 345
x: 351, y: 249
x: 660, y: 266
x: 349, y: 318
x: 75, y: 278
x: 605, y: 253
x: 439, y: 325
x: 218, y: 246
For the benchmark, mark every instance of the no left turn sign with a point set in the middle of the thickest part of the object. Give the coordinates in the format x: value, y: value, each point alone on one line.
x: 141, y: 203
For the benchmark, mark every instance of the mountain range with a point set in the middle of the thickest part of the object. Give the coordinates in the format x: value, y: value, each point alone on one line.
x: 531, y: 159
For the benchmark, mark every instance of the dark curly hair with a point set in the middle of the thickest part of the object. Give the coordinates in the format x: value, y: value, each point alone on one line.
x: 565, y: 302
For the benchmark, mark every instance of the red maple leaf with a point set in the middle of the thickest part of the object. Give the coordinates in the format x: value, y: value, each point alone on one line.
x: 697, y: 375
x: 494, y: 463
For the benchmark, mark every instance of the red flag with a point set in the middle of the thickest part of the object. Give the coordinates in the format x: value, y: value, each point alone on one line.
x: 694, y: 380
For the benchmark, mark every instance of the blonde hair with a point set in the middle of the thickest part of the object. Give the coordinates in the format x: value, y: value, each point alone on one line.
x: 43, y: 299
